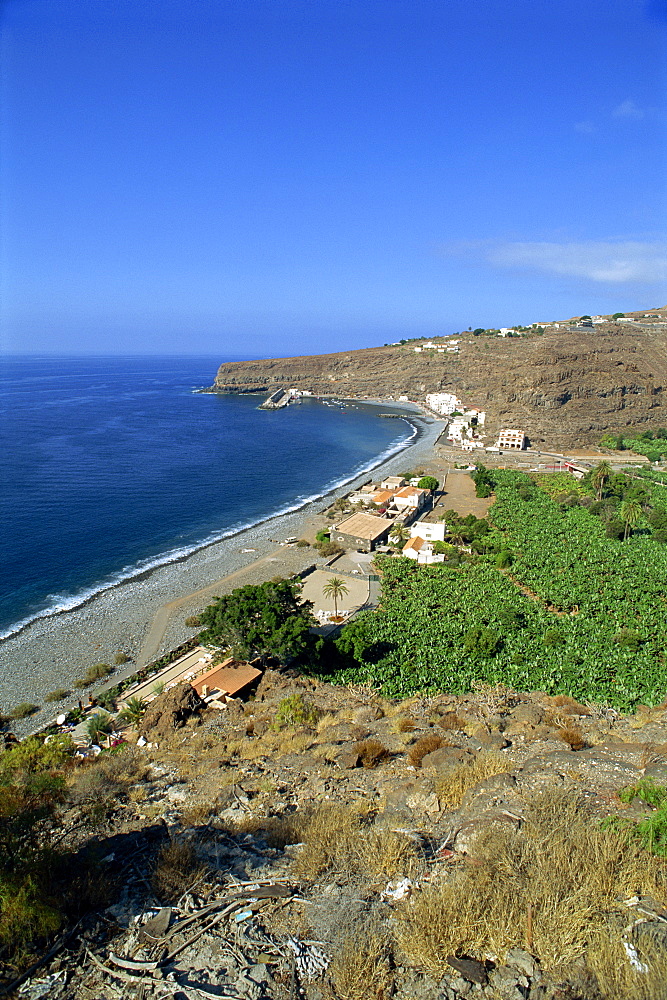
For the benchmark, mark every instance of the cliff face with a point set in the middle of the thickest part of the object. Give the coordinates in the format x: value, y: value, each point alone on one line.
x: 566, y: 387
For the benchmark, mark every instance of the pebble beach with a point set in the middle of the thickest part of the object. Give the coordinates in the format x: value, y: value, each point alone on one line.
x: 52, y: 652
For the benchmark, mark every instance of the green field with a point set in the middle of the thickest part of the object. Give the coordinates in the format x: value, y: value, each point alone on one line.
x: 576, y: 612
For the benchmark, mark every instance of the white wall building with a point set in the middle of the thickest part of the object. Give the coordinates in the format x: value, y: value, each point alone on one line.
x: 428, y: 530
x: 510, y: 439
x: 443, y: 403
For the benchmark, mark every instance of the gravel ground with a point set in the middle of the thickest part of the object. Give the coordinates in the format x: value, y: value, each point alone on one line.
x: 52, y: 652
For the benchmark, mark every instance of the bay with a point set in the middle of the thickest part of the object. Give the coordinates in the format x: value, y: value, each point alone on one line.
x: 112, y: 466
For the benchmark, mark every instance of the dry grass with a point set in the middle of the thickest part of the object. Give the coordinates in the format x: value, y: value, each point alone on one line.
x: 371, y: 752
x: 572, y: 735
x: 452, y: 722
x: 653, y: 753
x: 111, y: 776
x: 424, y: 746
x: 340, y: 839
x: 361, y: 967
x: 404, y: 724
x: 451, y: 786
x: 569, y: 705
x: 176, y: 871
x: 197, y: 814
x: 549, y: 888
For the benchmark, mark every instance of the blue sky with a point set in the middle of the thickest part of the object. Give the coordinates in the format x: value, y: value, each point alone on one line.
x: 274, y: 177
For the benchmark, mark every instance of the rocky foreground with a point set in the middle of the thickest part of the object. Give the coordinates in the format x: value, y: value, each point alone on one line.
x: 324, y: 842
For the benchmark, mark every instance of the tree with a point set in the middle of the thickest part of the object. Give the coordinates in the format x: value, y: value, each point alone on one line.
x: 618, y: 316
x: 630, y: 511
x: 428, y: 483
x: 133, y: 711
x: 268, y: 619
x: 335, y: 588
x: 399, y: 533
x: 599, y: 477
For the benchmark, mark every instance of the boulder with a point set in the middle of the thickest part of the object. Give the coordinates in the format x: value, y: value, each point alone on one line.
x: 170, y: 710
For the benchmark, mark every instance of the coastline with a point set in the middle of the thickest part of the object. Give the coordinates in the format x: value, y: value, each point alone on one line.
x: 52, y: 651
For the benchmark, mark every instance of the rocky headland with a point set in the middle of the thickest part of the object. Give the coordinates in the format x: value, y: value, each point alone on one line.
x: 565, y: 387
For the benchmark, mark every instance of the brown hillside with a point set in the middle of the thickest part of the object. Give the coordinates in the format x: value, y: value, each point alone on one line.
x: 566, y: 387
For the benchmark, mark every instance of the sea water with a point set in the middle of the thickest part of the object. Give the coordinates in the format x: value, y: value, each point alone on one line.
x: 112, y: 466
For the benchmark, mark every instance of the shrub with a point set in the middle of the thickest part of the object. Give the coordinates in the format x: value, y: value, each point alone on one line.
x: 482, y: 642
x: 192, y: 622
x: 296, y: 711
x: 504, y: 559
x: 176, y: 871
x: 92, y: 674
x: 330, y: 549
x: 23, y: 710
x: 57, y: 695
x: 371, y: 752
x: 552, y: 637
x: 121, y: 658
x: 303, y: 543
x: 573, y: 736
x: 451, y: 786
x: 424, y: 746
x: 569, y: 891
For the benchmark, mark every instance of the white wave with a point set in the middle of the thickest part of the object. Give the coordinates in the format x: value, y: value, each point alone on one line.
x: 63, y: 603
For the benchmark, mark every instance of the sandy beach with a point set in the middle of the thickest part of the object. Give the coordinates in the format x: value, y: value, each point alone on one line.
x: 52, y: 652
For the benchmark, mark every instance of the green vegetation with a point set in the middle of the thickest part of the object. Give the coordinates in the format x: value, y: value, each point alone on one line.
x: 57, y: 695
x: 265, y: 620
x: 545, y: 599
x: 651, y: 832
x: 651, y: 443
x: 335, y: 589
x: 99, y: 725
x: 95, y: 673
x: 133, y: 711
x: 296, y: 711
x: 428, y: 483
x: 23, y: 710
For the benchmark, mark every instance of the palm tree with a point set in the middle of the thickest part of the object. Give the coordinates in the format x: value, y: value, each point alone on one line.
x: 133, y: 711
x: 335, y: 588
x: 399, y: 533
x: 599, y: 477
x: 630, y: 511
x: 99, y: 725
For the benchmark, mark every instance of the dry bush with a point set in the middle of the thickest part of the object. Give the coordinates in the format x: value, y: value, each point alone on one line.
x: 197, y: 814
x: 340, y: 839
x: 277, y: 831
x: 176, y: 871
x: 451, y: 786
x: 616, y: 978
x: 573, y: 736
x: 109, y: 776
x: 453, y: 722
x: 424, y: 746
x: 568, y: 704
x: 653, y: 753
x: 404, y: 724
x: 548, y: 888
x: 371, y: 752
x: 361, y: 966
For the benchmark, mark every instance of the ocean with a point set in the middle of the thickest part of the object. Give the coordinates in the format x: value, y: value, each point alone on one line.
x: 115, y: 465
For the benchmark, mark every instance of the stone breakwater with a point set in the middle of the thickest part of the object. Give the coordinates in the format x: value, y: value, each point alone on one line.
x: 52, y: 652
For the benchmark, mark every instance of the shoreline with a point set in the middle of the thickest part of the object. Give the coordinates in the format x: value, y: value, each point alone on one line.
x: 52, y: 650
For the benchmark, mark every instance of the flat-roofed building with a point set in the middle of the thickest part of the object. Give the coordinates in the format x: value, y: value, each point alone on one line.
x: 392, y: 483
x: 410, y: 498
x: 226, y: 678
x: 362, y: 531
x: 510, y: 439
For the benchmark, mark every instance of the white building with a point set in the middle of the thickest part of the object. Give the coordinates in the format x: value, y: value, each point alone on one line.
x: 509, y: 439
x: 422, y: 551
x: 428, y: 530
x: 443, y: 403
